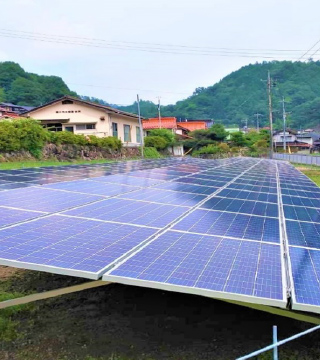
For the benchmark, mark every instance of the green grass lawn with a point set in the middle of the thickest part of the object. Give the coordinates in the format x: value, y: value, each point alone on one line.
x: 34, y: 163
x: 312, y: 171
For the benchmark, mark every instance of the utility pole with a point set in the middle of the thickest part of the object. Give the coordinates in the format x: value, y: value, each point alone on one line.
x: 284, y: 115
x: 159, y: 114
x: 140, y: 127
x: 270, y: 115
x: 257, y: 116
x: 246, y: 122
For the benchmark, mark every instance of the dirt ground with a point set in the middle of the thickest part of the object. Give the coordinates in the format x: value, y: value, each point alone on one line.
x: 124, y: 322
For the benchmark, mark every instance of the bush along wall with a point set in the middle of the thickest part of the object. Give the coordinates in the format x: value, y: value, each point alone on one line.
x: 22, y: 139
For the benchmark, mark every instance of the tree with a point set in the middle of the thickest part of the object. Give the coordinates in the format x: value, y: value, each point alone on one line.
x: 2, y: 95
x: 219, y: 131
x: 238, y: 139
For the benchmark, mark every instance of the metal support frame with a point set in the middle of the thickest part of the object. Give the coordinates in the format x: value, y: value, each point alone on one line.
x: 52, y: 293
x: 295, y: 315
x: 275, y: 345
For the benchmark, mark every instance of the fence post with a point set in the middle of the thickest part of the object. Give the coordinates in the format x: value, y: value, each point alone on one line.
x: 275, y: 340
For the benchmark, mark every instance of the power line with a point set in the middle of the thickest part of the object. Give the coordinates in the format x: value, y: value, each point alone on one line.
x: 314, y: 45
x: 129, y: 89
x: 105, y: 45
x: 150, y: 44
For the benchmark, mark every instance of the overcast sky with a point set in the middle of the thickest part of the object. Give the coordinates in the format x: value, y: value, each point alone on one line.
x: 163, y: 48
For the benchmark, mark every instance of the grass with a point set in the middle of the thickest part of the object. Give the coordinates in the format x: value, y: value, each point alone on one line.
x: 312, y: 171
x: 31, y: 164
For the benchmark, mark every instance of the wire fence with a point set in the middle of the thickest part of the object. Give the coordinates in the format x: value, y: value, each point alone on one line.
x: 298, y: 158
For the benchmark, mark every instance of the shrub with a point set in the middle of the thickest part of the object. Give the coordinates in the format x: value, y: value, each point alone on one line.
x: 22, y: 134
x: 67, y: 137
x: 164, y: 133
x: 110, y: 142
x: 224, y: 148
x: 157, y: 142
x: 151, y: 153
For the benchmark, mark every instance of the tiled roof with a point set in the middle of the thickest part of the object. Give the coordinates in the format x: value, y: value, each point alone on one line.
x: 194, y: 125
x: 154, y: 123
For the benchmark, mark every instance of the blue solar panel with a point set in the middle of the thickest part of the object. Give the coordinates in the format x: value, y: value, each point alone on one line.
x: 70, y: 246
x: 242, y: 206
x: 165, y: 197
x: 196, y: 181
x: 190, y: 188
x: 207, y: 265
x: 266, y: 189
x: 307, y: 194
x: 305, y: 265
x: 93, y: 187
x: 303, y: 233
x: 302, y: 213
x: 300, y: 201
x: 127, y: 180
x: 12, y: 216
x: 249, y: 195
x: 48, y: 200
x: 131, y: 212
x: 229, y: 224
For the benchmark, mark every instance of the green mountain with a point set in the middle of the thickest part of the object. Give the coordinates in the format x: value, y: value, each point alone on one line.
x: 233, y: 99
x: 22, y: 88
x: 243, y: 93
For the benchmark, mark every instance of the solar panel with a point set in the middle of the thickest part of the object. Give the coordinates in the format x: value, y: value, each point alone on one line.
x: 63, y: 245
x: 205, y: 265
x: 219, y: 228
x: 39, y: 199
x: 9, y: 216
x: 301, y: 201
x: 93, y: 187
x: 165, y: 197
x: 131, y: 212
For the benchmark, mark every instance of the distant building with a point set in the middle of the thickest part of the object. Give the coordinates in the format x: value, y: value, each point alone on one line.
x: 291, y: 138
x: 12, y: 108
x: 87, y: 118
x: 5, y: 114
x: 208, y: 122
x: 179, y: 128
x: 230, y: 131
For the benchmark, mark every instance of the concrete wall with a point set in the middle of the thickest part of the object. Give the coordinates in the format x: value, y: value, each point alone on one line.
x: 297, y: 158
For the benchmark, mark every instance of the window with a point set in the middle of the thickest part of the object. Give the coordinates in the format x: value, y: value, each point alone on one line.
x: 138, y: 134
x: 86, y: 126
x: 127, y: 133
x: 69, y: 128
x: 67, y: 102
x: 115, y: 130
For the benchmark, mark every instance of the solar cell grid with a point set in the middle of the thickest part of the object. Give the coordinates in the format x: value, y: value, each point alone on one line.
x: 189, y: 188
x: 165, y: 197
x: 67, y: 245
x: 297, y: 193
x: 241, y: 186
x: 249, y: 195
x: 242, y: 206
x: 93, y: 187
x: 48, y: 200
x: 223, y: 267
x: 302, y: 213
x: 229, y: 224
x: 131, y: 212
x: 9, y: 216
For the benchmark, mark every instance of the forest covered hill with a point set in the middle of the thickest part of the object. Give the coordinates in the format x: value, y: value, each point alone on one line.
x: 233, y: 99
x: 243, y: 93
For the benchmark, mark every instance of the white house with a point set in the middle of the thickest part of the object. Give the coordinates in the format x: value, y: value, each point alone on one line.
x: 87, y: 118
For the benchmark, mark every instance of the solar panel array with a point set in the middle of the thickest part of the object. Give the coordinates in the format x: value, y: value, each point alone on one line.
x: 241, y: 229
